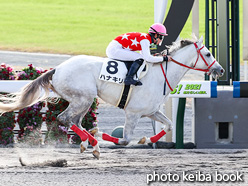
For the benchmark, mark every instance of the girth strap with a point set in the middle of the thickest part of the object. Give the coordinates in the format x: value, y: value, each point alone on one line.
x: 124, y: 96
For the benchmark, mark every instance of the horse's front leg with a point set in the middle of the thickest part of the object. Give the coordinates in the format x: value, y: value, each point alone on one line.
x: 130, y: 123
x: 160, y: 117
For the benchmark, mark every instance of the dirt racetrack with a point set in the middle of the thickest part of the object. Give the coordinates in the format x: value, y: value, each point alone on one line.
x: 123, y: 166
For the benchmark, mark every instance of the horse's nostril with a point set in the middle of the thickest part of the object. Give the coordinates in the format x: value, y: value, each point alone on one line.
x: 222, y: 70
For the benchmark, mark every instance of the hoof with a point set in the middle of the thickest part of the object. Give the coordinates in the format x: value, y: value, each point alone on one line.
x: 142, y: 140
x: 123, y: 142
x: 96, y: 154
x: 82, y: 148
x: 93, y: 131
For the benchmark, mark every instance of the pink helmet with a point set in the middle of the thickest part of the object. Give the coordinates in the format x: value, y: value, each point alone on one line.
x: 158, y: 28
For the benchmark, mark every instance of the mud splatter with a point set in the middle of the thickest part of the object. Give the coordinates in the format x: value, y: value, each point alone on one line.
x: 50, y: 163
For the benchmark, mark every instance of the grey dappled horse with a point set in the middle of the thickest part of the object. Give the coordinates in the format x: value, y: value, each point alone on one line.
x: 77, y: 81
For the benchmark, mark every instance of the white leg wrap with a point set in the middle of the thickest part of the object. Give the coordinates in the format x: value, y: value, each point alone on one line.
x: 148, y: 140
x: 98, y: 134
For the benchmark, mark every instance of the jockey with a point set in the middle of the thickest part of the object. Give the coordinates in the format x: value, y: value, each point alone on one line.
x: 124, y: 48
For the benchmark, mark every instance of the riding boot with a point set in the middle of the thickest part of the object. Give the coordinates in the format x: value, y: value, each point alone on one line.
x: 133, y: 70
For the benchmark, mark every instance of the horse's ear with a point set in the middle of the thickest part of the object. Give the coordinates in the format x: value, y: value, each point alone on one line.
x: 200, y: 40
x: 183, y: 42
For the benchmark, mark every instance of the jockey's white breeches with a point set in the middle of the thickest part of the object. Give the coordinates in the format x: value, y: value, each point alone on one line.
x: 115, y: 51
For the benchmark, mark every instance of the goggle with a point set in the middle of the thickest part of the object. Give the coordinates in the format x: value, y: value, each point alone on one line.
x: 161, y: 37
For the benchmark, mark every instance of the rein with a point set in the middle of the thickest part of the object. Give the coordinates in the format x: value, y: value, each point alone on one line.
x: 165, y: 78
x: 193, y: 68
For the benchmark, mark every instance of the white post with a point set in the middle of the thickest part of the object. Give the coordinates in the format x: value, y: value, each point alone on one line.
x: 193, y: 121
x: 245, y: 34
x: 195, y: 18
x: 174, y: 117
x: 169, y: 114
x: 159, y: 14
x: 245, y: 70
x: 159, y: 10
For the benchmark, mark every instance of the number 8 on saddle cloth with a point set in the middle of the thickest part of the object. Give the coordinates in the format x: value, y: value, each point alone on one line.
x: 115, y: 71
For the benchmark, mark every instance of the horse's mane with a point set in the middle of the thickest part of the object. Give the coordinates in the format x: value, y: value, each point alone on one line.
x: 180, y: 44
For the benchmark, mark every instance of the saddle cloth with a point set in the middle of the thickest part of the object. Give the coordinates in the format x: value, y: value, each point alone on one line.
x: 115, y: 71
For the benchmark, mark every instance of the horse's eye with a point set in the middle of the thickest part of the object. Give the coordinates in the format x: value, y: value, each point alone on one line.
x: 208, y: 54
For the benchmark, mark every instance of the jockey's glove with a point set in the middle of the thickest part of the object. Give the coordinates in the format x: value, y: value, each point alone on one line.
x: 165, y: 58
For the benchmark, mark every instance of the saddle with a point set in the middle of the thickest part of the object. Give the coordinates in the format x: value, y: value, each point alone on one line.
x: 126, y: 91
x: 115, y: 71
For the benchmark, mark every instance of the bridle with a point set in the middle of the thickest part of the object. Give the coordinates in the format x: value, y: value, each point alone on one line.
x: 199, y: 54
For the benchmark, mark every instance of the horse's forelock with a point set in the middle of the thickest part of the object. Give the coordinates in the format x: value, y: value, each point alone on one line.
x: 180, y: 44
x: 186, y: 43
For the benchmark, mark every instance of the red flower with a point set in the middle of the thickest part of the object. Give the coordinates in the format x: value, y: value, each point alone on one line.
x: 30, y: 66
x: 9, y: 69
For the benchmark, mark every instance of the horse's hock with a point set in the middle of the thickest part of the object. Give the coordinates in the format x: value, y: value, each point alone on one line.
x: 221, y: 122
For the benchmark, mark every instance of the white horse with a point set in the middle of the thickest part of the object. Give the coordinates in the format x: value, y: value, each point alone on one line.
x: 77, y: 81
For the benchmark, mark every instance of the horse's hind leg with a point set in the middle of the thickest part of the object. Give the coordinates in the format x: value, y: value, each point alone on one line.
x: 160, y: 117
x: 72, y: 117
x: 84, y: 144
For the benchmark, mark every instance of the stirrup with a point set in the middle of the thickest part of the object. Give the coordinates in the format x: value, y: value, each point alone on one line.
x: 131, y: 81
x: 138, y: 83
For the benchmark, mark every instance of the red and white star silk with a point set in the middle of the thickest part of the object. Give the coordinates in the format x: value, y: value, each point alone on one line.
x: 131, y: 40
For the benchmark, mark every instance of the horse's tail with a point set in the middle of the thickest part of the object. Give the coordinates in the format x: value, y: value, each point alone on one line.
x: 29, y: 95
